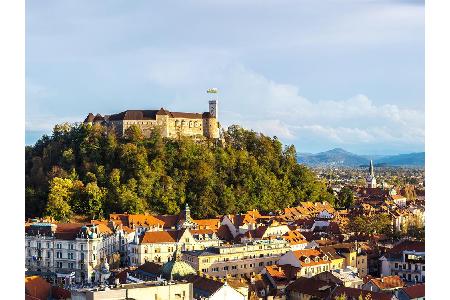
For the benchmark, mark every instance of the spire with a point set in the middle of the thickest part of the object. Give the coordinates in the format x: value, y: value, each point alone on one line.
x: 187, y: 211
x: 371, y: 169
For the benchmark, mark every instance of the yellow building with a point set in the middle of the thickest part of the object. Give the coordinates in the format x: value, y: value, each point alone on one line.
x: 237, y: 259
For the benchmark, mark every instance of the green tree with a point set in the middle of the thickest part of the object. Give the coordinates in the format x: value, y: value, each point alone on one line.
x: 345, y: 198
x: 61, y: 192
x: 95, y: 197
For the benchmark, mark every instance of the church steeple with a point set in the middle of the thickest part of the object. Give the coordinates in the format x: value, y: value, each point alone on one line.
x: 371, y: 180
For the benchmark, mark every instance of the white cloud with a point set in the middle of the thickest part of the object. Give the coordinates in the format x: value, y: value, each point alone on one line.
x: 254, y: 101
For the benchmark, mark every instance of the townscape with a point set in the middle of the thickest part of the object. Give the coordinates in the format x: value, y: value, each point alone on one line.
x: 368, y: 244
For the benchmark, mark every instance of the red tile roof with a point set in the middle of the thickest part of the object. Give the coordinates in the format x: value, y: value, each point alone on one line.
x: 151, y: 237
x: 37, y: 287
x: 353, y: 294
x: 388, y: 282
x: 415, y: 291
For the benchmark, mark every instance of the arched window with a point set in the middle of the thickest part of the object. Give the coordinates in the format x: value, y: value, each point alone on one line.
x: 190, y: 124
x: 183, y: 123
x: 177, y: 123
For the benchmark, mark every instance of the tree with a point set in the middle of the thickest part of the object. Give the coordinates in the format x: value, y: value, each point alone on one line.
x: 378, y: 223
x: 345, y: 198
x: 88, y: 170
x: 61, y: 192
x: 95, y: 197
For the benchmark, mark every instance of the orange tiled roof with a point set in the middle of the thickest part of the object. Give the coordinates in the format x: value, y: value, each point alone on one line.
x: 388, y: 282
x: 37, y: 287
x: 144, y: 220
x: 151, y: 237
x: 294, y: 237
x: 208, y: 223
x: 282, y: 272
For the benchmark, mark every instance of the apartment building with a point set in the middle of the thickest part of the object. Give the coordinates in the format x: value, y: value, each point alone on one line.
x: 71, y: 250
x: 237, y: 259
x: 406, y: 259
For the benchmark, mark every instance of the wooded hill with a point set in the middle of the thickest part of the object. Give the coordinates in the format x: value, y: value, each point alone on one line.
x: 88, y: 170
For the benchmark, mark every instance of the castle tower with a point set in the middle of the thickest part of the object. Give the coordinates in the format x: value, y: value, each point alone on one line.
x: 371, y: 179
x: 213, y: 103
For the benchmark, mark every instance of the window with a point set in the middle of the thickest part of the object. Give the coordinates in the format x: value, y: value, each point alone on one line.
x: 70, y: 255
x: 82, y: 255
x: 396, y: 265
x: 58, y: 246
x: 204, y: 270
x: 48, y: 254
x: 71, y: 246
x: 58, y: 254
x: 59, y: 264
x: 261, y: 264
x: 48, y: 245
x: 82, y: 247
x: 70, y: 265
x: 39, y: 245
x: 215, y: 269
x: 29, y: 244
x: 225, y: 268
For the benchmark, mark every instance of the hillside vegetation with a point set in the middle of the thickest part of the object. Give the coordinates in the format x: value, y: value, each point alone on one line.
x: 88, y: 170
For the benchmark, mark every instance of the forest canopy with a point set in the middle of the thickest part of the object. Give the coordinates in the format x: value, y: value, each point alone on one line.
x: 89, y: 170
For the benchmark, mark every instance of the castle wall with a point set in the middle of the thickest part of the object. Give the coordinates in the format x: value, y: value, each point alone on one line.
x: 185, y: 127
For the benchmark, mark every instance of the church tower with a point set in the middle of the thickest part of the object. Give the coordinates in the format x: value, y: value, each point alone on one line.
x: 371, y: 179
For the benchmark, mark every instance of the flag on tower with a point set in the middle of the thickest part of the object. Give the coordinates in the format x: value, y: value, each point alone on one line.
x: 212, y: 91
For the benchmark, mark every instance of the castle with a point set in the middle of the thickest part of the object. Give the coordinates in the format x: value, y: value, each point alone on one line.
x: 172, y: 124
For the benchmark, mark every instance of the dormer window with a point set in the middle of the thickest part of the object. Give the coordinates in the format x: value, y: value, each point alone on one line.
x: 316, y: 259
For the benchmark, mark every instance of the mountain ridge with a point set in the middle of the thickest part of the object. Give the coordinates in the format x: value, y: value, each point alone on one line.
x: 341, y: 157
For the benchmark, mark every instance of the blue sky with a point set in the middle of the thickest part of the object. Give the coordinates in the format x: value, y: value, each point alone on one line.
x: 317, y: 74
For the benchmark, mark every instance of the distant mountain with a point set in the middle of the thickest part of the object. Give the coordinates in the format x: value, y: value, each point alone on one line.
x: 341, y: 157
x: 410, y: 159
x: 334, y: 157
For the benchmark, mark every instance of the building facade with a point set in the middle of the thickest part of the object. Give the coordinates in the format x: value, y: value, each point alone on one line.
x: 78, y: 252
x: 237, y: 259
x: 171, y: 124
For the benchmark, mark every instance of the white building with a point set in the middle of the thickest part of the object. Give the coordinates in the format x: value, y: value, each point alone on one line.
x: 406, y: 260
x: 72, y: 250
x: 160, y: 246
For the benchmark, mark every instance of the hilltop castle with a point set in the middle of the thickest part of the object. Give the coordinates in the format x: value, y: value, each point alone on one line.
x: 172, y: 124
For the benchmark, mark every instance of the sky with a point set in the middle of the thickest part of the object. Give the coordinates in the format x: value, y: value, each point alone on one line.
x: 316, y: 74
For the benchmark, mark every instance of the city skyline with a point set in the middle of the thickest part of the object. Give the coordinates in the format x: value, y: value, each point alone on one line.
x: 318, y: 76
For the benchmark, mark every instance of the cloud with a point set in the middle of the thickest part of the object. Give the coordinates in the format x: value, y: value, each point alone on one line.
x: 255, y: 101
